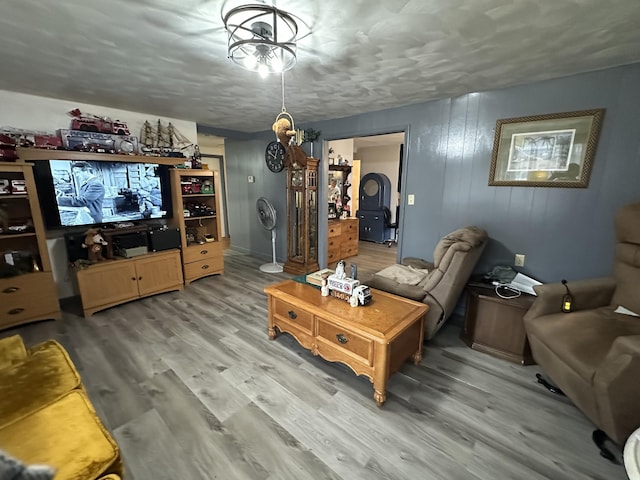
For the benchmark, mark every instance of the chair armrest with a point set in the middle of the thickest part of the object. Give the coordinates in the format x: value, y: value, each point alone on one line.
x: 417, y: 263
x: 587, y: 295
x: 413, y: 292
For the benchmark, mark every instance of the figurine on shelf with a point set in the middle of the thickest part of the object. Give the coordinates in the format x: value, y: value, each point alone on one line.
x: 196, y: 158
x: 340, y: 273
x: 324, y: 289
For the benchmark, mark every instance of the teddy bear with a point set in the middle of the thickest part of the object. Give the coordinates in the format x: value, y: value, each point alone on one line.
x: 295, y: 156
x: 93, y: 241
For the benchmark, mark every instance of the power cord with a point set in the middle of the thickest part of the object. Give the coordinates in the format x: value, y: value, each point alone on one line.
x: 504, y: 290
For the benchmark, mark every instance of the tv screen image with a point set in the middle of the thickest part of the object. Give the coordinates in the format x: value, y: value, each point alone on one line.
x: 78, y: 193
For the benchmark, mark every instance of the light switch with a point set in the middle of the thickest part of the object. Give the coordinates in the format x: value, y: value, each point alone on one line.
x: 411, y: 199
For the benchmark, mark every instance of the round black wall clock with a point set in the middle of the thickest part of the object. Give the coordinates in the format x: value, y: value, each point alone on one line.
x: 274, y: 156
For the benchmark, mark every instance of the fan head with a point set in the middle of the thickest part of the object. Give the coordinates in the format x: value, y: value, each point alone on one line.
x: 266, y: 213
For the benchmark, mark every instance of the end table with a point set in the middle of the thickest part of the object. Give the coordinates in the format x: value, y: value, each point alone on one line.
x: 493, y: 325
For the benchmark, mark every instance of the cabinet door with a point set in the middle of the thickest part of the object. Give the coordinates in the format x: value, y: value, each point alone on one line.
x: 371, y: 226
x: 108, y: 284
x: 158, y: 273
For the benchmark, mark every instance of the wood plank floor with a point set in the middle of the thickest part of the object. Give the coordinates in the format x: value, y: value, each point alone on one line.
x: 192, y: 388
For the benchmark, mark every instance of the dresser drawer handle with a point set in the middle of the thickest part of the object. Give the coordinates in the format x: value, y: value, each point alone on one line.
x: 204, y: 267
x: 16, y: 311
x: 292, y: 315
x: 341, y: 338
x: 204, y: 252
x: 11, y: 290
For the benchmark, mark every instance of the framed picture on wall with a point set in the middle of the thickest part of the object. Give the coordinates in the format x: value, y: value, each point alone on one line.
x: 554, y: 150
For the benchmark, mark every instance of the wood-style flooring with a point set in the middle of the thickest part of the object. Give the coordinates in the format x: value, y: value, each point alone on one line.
x: 192, y: 388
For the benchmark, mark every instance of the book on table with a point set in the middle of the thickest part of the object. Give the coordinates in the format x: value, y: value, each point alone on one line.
x: 315, y: 278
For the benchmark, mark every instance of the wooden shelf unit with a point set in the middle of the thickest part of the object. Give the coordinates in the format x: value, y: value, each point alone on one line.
x: 113, y: 282
x: 117, y: 281
x: 199, y: 257
x: 17, y: 293
x: 34, y: 154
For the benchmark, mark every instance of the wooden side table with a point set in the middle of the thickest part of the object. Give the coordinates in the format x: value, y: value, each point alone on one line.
x: 493, y: 325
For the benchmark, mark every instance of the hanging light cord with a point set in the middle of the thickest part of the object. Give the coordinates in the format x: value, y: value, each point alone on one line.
x: 283, y: 107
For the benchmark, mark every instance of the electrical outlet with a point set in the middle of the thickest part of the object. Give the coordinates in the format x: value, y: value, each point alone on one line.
x: 251, y: 179
x: 519, y: 262
x: 411, y: 199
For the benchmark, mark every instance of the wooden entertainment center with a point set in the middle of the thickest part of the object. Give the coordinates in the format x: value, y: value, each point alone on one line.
x: 17, y: 293
x: 115, y: 280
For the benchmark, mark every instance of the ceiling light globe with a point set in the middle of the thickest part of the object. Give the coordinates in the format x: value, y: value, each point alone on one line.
x: 276, y: 65
x: 263, y: 70
x: 250, y: 62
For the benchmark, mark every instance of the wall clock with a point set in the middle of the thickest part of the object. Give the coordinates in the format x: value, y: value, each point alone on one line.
x: 274, y: 156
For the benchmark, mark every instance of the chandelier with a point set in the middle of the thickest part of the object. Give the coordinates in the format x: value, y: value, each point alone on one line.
x: 262, y: 38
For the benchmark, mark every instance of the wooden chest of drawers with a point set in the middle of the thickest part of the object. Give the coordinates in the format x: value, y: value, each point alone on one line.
x: 28, y: 297
x: 202, y: 260
x: 374, y: 340
x: 343, y: 239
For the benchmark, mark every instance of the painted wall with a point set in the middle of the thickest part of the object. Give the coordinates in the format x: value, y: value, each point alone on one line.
x: 564, y: 233
x: 343, y: 148
x: 30, y: 112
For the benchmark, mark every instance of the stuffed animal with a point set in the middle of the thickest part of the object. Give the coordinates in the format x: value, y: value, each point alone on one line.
x: 295, y: 156
x: 93, y: 241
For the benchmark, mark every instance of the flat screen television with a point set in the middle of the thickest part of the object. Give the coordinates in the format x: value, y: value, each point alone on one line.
x: 83, y: 193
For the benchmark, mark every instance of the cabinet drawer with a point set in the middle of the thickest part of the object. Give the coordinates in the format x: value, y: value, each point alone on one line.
x: 195, y: 253
x: 358, y: 347
x: 334, y: 229
x: 333, y: 254
x: 350, y: 226
x: 349, y: 250
x: 294, y: 315
x: 349, y: 237
x: 27, y: 296
x: 203, y: 267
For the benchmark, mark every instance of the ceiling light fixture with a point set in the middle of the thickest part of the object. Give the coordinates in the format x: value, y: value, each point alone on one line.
x: 262, y: 38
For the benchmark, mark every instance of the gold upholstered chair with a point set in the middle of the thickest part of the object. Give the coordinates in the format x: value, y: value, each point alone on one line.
x: 46, y: 417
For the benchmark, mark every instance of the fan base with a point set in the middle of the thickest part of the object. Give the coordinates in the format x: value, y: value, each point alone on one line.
x: 271, y: 268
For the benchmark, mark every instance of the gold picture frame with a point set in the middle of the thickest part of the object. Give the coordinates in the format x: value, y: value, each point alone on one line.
x: 554, y: 150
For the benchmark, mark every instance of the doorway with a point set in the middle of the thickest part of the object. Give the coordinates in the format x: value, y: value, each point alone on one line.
x: 369, y: 154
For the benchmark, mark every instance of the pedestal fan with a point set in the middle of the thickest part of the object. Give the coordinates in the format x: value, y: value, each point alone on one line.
x: 267, y: 217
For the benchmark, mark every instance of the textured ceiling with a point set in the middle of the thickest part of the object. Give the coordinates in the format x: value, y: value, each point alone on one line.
x: 168, y: 57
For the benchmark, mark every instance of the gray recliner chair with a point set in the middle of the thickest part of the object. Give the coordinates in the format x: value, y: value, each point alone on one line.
x: 440, y: 283
x: 593, y: 353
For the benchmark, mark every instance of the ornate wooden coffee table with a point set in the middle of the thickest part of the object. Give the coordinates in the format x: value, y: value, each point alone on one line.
x: 374, y: 340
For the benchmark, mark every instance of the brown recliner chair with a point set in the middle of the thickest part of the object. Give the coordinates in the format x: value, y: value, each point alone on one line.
x: 593, y: 353
x: 440, y: 283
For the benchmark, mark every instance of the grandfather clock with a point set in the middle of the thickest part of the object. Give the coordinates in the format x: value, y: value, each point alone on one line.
x: 302, y: 218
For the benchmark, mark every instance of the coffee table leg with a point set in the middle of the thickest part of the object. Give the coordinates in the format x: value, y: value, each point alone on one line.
x: 417, y: 357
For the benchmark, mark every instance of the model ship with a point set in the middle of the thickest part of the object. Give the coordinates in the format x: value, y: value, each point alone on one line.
x: 165, y: 141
